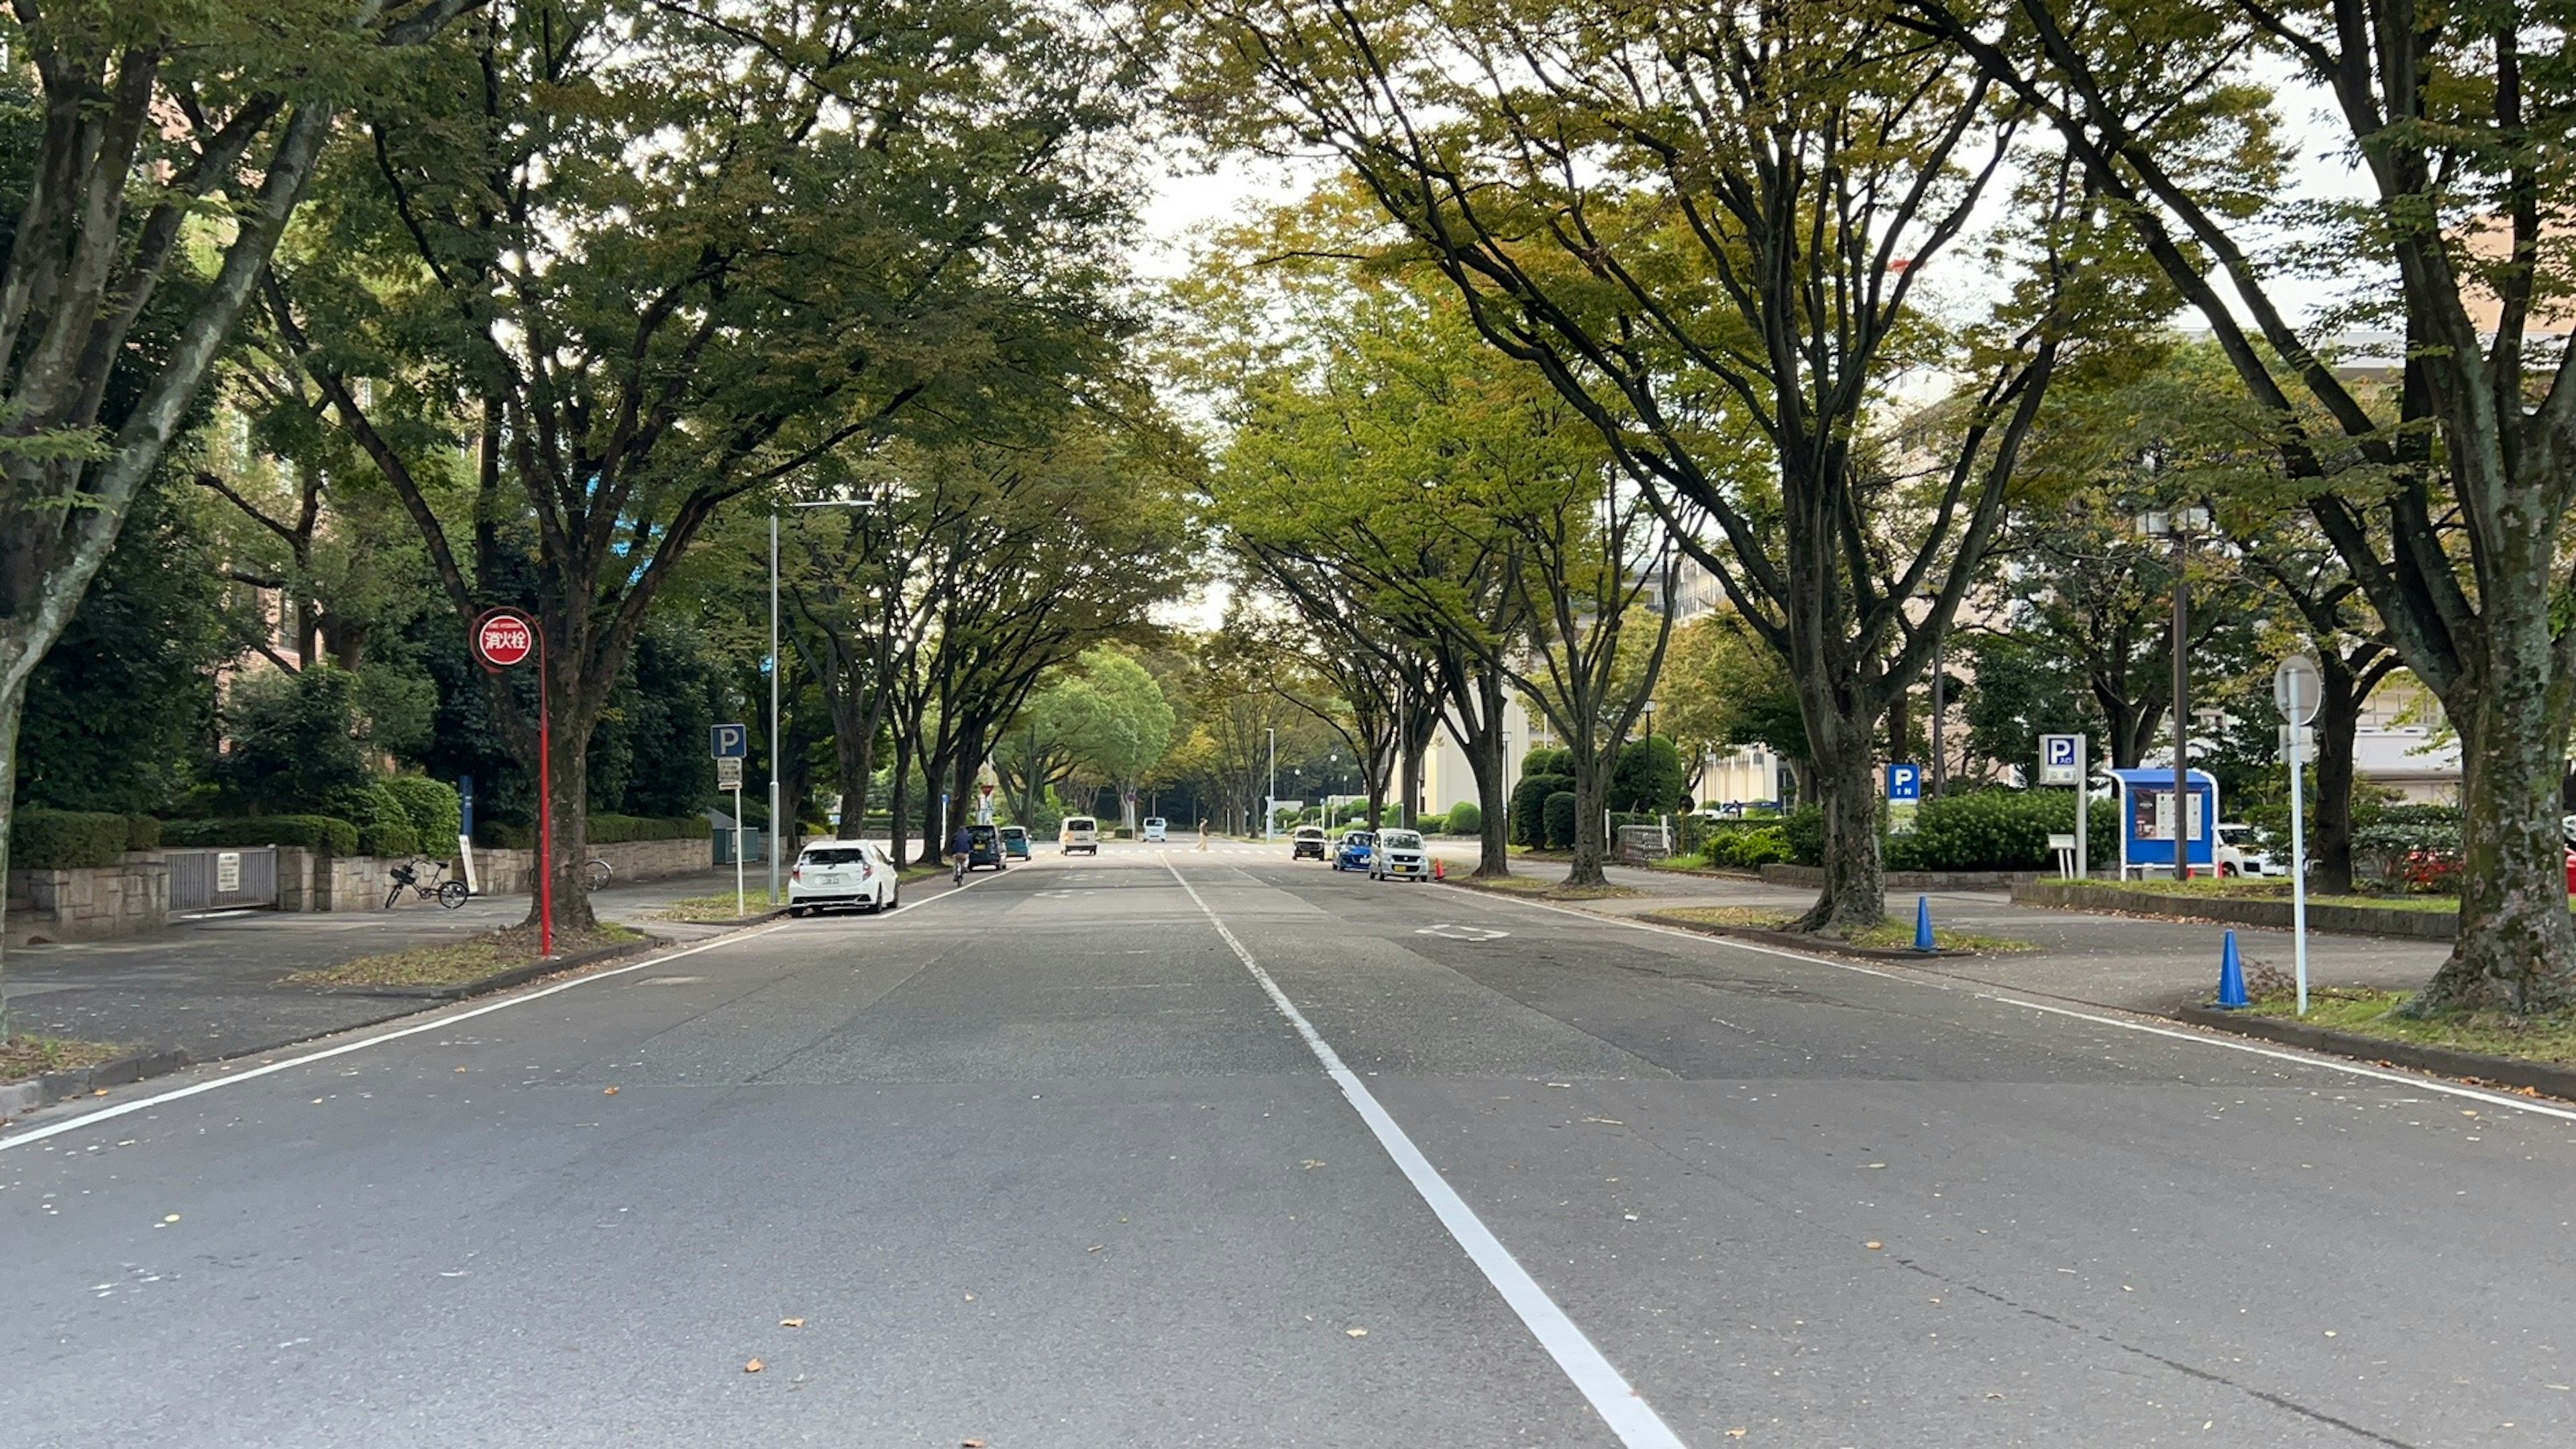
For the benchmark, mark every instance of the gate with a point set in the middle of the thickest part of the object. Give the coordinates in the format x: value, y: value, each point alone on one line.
x: 219, y: 880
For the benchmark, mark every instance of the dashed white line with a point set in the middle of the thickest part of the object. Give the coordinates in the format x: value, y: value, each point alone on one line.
x: 1611, y: 1395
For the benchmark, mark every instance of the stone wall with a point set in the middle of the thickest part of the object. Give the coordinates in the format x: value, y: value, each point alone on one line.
x: 513, y: 872
x: 88, y: 905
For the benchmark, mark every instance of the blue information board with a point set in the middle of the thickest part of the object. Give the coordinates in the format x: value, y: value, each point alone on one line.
x: 1904, y: 783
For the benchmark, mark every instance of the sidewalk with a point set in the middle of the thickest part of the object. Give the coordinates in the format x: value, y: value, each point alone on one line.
x: 2118, y: 961
x: 210, y: 987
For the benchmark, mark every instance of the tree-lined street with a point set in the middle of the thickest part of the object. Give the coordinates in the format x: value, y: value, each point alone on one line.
x: 1007, y: 1193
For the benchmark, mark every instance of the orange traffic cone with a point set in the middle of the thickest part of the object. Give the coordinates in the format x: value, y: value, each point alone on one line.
x: 1439, y: 868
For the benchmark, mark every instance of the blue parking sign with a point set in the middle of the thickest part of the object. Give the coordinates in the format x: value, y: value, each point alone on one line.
x: 1904, y: 783
x: 729, y: 741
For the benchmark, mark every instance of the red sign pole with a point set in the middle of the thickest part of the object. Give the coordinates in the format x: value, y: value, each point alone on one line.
x: 503, y: 639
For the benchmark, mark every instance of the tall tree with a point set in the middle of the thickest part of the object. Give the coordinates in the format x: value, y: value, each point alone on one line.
x: 152, y: 170
x: 667, y: 258
x: 2461, y: 122
x: 1704, y: 226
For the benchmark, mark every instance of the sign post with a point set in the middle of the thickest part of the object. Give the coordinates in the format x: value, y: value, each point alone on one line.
x: 2298, y: 686
x: 505, y: 639
x: 2061, y: 762
x: 1904, y: 793
x: 728, y: 743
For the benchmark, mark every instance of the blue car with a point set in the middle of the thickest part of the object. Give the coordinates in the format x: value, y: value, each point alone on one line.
x: 1354, y: 851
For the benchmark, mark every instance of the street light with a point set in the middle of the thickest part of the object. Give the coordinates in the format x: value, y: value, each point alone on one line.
x: 2180, y: 525
x: 1270, y: 802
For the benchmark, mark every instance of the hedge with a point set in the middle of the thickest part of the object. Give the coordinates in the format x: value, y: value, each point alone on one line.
x: 430, y: 805
x: 1748, y: 849
x: 308, y: 832
x: 1560, y: 820
x: 1998, y: 830
x: 142, y: 832
x: 620, y: 829
x: 1529, y: 806
x: 66, y: 839
x: 1466, y: 818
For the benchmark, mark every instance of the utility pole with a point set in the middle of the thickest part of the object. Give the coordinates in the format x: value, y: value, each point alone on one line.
x: 777, y: 826
x: 1270, y: 802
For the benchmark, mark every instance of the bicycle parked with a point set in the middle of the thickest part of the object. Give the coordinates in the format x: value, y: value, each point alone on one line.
x: 448, y: 893
x: 595, y: 874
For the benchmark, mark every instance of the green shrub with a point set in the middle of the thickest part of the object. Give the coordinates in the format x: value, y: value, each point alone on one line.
x: 41, y: 839
x: 142, y: 832
x: 1996, y: 830
x: 1432, y: 824
x: 1560, y: 820
x: 504, y: 835
x: 323, y: 833
x: 1804, y: 830
x: 1547, y: 762
x: 1529, y: 806
x: 620, y: 829
x: 430, y: 805
x: 388, y: 840
x: 1747, y: 849
x: 1466, y: 818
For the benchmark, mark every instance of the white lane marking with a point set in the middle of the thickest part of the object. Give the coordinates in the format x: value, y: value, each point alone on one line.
x: 435, y: 1023
x: 1987, y: 993
x: 1462, y: 933
x: 1612, y: 1396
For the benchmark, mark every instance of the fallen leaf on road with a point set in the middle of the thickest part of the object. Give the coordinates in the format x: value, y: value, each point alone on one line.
x: 1873, y: 1245
x: 1878, y: 1164
x: 972, y: 1443
x: 1560, y: 1084
x: 460, y: 1069
x: 611, y: 1092
x: 791, y: 1323
x: 1735, y: 1433
x: 1356, y: 1332
x: 1632, y: 1217
x: 754, y: 1366
x: 970, y: 1297
x: 1094, y: 1248
x: 99, y: 1092
x: 1310, y: 1164
x: 172, y: 1218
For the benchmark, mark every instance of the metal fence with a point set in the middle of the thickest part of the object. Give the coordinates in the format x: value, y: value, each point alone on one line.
x: 215, y: 880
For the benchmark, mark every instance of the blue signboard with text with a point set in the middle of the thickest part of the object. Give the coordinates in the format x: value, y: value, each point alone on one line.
x: 1904, y: 784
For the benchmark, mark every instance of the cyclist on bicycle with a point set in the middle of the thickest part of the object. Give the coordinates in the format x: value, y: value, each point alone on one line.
x: 960, y: 847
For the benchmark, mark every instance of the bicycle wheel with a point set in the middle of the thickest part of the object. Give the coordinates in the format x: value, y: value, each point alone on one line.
x: 452, y: 894
x: 595, y: 875
x: 393, y: 893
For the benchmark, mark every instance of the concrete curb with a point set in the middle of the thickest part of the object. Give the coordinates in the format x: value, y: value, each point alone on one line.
x: 52, y: 1087
x: 2341, y: 918
x: 1791, y: 940
x: 1812, y: 877
x: 2439, y: 1061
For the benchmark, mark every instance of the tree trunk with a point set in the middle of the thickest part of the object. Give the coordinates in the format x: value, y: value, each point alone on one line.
x: 2516, y: 939
x: 1591, y: 791
x: 14, y: 674
x: 2338, y: 720
x: 899, y: 801
x: 1854, y: 896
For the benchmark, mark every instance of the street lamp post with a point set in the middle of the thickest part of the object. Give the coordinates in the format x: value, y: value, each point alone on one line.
x: 2180, y: 525
x: 1270, y: 802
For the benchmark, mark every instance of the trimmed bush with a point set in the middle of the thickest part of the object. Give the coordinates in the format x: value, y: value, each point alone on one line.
x: 1996, y: 830
x: 1529, y: 806
x: 142, y: 832
x: 1747, y: 849
x: 1560, y: 820
x: 504, y: 835
x: 1466, y: 818
x: 1804, y: 829
x: 42, y: 839
x: 1432, y: 824
x: 321, y: 833
x: 430, y: 805
x: 620, y: 829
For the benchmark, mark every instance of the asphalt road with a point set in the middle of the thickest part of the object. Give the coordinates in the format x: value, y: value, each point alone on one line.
x: 1045, y: 1163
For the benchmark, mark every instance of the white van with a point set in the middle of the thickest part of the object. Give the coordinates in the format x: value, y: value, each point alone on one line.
x: 1156, y: 828
x: 1079, y: 832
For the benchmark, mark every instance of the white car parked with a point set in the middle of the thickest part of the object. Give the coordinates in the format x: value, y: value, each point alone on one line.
x: 1157, y: 828
x: 855, y: 875
x: 2238, y: 853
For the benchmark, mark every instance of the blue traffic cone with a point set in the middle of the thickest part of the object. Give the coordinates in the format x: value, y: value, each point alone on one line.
x: 1923, y: 924
x: 2231, y: 975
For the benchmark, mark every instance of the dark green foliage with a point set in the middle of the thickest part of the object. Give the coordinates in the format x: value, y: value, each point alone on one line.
x: 124, y: 703
x: 142, y: 832
x: 1648, y: 777
x: 1746, y: 847
x: 294, y: 743
x: 648, y: 755
x: 1559, y: 809
x: 430, y: 805
x: 323, y: 833
x: 1996, y: 830
x: 1547, y: 762
x: 384, y: 825
x: 41, y: 839
x: 1529, y: 805
x: 614, y: 829
x: 1466, y: 818
x: 1804, y: 830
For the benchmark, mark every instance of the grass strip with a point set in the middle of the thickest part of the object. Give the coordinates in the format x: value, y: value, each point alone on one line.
x: 718, y: 908
x: 22, y: 1057
x: 1534, y: 886
x: 2549, y: 1038
x: 2243, y: 888
x: 458, y: 963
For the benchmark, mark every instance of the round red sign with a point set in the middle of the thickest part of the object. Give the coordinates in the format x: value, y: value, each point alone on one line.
x: 504, y: 638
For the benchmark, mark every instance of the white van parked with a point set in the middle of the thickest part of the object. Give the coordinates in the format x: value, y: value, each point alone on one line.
x: 1156, y: 828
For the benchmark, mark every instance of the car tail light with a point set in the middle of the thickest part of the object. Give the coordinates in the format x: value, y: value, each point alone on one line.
x: 796, y: 871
